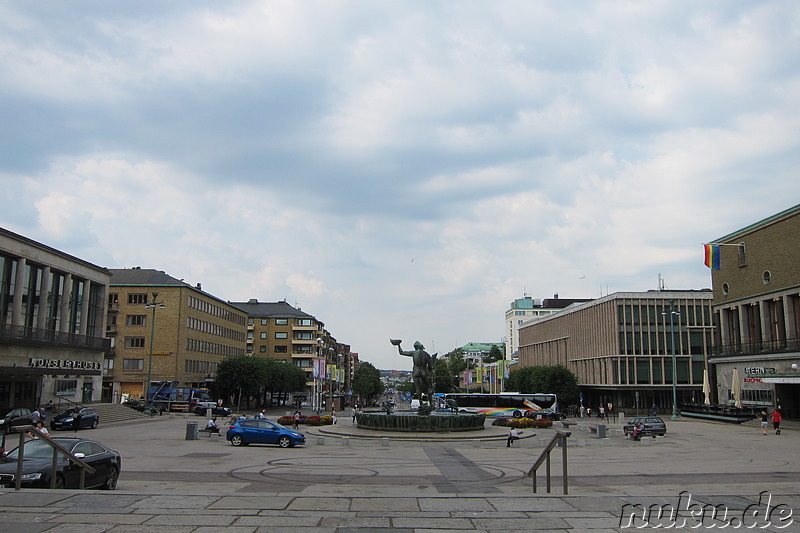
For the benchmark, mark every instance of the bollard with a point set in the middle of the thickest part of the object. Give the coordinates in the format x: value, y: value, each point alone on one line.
x: 191, y: 430
x: 601, y: 431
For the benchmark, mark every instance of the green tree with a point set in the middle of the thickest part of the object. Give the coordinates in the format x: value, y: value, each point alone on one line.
x: 367, y: 382
x: 406, y: 386
x: 282, y: 379
x: 495, y: 354
x: 241, y: 377
x: 558, y: 380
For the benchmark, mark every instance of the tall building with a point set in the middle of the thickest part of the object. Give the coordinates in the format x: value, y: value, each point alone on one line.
x: 757, y: 313
x: 279, y: 331
x: 621, y: 346
x: 51, y: 312
x: 527, y: 308
x: 164, y: 329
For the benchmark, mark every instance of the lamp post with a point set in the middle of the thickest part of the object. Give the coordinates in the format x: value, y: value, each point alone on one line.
x: 672, y: 314
x: 152, y: 305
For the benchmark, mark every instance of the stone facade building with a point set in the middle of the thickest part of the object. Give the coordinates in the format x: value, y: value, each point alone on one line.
x: 52, y: 324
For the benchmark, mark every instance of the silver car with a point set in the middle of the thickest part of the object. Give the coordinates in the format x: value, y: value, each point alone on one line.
x: 649, y: 425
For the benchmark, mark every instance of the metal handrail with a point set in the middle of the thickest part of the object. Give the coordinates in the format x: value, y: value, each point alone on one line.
x: 57, y: 448
x: 544, y: 457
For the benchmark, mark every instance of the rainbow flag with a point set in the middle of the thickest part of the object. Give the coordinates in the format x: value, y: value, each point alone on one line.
x: 712, y: 256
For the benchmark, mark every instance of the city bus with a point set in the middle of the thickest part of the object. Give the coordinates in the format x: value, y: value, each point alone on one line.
x: 506, y: 404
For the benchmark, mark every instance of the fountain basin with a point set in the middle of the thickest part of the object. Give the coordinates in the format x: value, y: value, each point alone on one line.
x: 413, y: 422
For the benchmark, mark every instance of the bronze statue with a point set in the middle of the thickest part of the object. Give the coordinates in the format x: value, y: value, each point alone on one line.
x: 423, y: 368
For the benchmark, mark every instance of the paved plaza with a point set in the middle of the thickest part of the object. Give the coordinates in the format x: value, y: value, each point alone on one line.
x: 348, y: 480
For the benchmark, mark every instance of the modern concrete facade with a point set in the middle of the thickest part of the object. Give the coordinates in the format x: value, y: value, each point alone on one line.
x: 620, y: 346
x: 51, y: 312
x: 166, y: 329
x: 525, y: 309
x: 757, y: 313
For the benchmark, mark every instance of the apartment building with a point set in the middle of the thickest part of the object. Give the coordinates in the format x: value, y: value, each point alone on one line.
x: 51, y: 312
x: 527, y: 308
x: 165, y: 329
x: 279, y: 331
x: 757, y: 313
x: 621, y: 346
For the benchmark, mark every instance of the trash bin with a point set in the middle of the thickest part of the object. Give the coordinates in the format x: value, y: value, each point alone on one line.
x: 191, y: 430
x: 601, y: 431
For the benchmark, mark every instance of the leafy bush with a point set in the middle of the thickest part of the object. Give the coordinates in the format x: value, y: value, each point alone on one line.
x: 326, y: 420
x: 520, y: 423
x: 286, y: 421
x: 314, y: 420
x: 500, y: 422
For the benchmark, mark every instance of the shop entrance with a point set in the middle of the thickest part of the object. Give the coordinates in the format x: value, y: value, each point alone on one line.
x: 787, y: 396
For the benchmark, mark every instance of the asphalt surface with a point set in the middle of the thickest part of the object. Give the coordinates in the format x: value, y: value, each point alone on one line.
x: 347, y: 480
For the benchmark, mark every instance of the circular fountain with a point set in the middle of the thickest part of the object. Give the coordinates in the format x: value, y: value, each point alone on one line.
x: 410, y: 421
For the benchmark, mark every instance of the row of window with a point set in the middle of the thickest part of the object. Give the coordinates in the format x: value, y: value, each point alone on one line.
x: 200, y: 346
x: 278, y: 321
x: 655, y: 371
x: 216, y: 310
x: 214, y: 329
x: 282, y: 335
x: 200, y: 367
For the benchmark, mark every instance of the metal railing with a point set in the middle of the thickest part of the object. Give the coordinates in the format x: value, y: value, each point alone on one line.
x: 559, y: 439
x: 38, y: 336
x: 751, y: 348
x: 57, y: 448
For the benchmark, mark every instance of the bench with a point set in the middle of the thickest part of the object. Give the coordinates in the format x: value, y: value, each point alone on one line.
x: 210, y: 431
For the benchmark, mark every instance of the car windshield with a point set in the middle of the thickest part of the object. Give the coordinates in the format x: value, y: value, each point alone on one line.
x: 36, y: 449
x: 68, y: 412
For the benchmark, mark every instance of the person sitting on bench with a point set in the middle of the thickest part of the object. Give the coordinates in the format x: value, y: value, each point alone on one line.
x: 212, y: 426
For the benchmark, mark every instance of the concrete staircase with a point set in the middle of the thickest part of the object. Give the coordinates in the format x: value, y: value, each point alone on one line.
x: 116, y: 412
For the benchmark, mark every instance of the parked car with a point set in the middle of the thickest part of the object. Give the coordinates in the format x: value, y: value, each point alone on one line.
x: 215, y: 411
x: 650, y: 426
x: 37, y: 465
x: 542, y: 415
x: 76, y: 418
x: 252, y: 431
x: 20, y: 416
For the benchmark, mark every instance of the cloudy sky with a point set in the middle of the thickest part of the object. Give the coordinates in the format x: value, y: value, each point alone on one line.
x: 399, y: 169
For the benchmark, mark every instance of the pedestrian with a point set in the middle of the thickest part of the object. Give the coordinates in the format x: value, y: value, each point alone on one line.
x: 296, y: 420
x: 583, y: 411
x: 763, y: 418
x: 601, y: 414
x: 50, y: 406
x: 512, y: 436
x: 354, y: 414
x: 589, y: 412
x: 42, y: 415
x: 776, y: 421
x: 39, y: 426
x: 35, y: 417
x: 262, y: 415
x: 333, y: 415
x: 654, y: 410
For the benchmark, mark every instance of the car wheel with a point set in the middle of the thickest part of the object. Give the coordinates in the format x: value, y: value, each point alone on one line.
x: 284, y: 442
x: 111, y: 479
x: 517, y: 414
x: 237, y: 440
x: 94, y: 424
x: 59, y: 481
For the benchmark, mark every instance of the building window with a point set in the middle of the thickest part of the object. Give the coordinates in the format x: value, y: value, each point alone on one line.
x: 281, y: 321
x: 281, y: 335
x: 281, y: 349
x: 766, y: 277
x: 262, y: 349
x: 138, y: 298
x: 305, y: 336
x: 66, y: 387
x: 135, y: 320
x: 134, y: 342
x: 133, y: 364
x: 742, y: 256
x: 725, y: 288
x: 264, y: 321
x: 249, y: 321
x: 304, y: 322
x: 263, y: 334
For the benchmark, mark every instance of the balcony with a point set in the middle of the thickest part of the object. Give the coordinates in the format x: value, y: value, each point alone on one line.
x: 755, y: 348
x: 44, y: 337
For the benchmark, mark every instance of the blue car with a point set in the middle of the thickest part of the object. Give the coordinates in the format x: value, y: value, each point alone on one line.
x: 244, y: 432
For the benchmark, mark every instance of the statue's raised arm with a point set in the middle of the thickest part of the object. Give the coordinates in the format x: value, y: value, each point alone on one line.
x: 423, y: 367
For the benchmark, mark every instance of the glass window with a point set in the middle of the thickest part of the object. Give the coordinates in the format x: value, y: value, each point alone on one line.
x: 281, y: 335
x: 281, y: 321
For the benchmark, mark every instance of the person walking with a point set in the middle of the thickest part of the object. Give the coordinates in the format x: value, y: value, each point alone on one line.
x: 763, y: 416
x: 296, y: 420
x: 333, y: 416
x: 776, y: 421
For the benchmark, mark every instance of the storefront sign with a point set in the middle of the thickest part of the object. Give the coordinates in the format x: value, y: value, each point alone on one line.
x: 64, y: 364
x: 760, y: 370
x: 753, y: 380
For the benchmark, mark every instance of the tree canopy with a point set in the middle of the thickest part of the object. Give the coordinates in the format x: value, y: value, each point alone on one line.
x: 367, y: 381
x: 558, y: 380
x: 249, y: 376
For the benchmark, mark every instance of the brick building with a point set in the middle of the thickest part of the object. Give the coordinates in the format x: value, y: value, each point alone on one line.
x: 166, y: 329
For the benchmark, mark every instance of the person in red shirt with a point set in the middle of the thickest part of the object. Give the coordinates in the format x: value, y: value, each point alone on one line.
x: 776, y: 421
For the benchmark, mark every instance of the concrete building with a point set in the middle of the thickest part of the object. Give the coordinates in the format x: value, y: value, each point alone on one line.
x: 51, y: 312
x: 279, y: 331
x: 166, y: 329
x: 620, y: 346
x: 527, y: 308
x: 757, y: 313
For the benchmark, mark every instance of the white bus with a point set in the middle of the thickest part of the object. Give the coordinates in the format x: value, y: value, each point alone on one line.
x: 506, y: 404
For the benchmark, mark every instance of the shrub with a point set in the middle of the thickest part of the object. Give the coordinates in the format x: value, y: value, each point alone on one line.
x: 500, y: 422
x: 286, y: 421
x: 313, y: 420
x: 326, y: 420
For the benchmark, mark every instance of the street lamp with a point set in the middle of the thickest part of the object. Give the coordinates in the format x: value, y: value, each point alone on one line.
x: 152, y: 305
x: 330, y: 378
x: 672, y: 314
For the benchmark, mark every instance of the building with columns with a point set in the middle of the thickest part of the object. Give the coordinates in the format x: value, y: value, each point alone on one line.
x: 757, y: 314
x: 53, y: 324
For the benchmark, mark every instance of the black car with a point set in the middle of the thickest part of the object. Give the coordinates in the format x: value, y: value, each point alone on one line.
x: 650, y: 426
x: 215, y: 411
x: 37, y: 465
x: 546, y: 415
x: 14, y: 417
x: 77, y: 418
